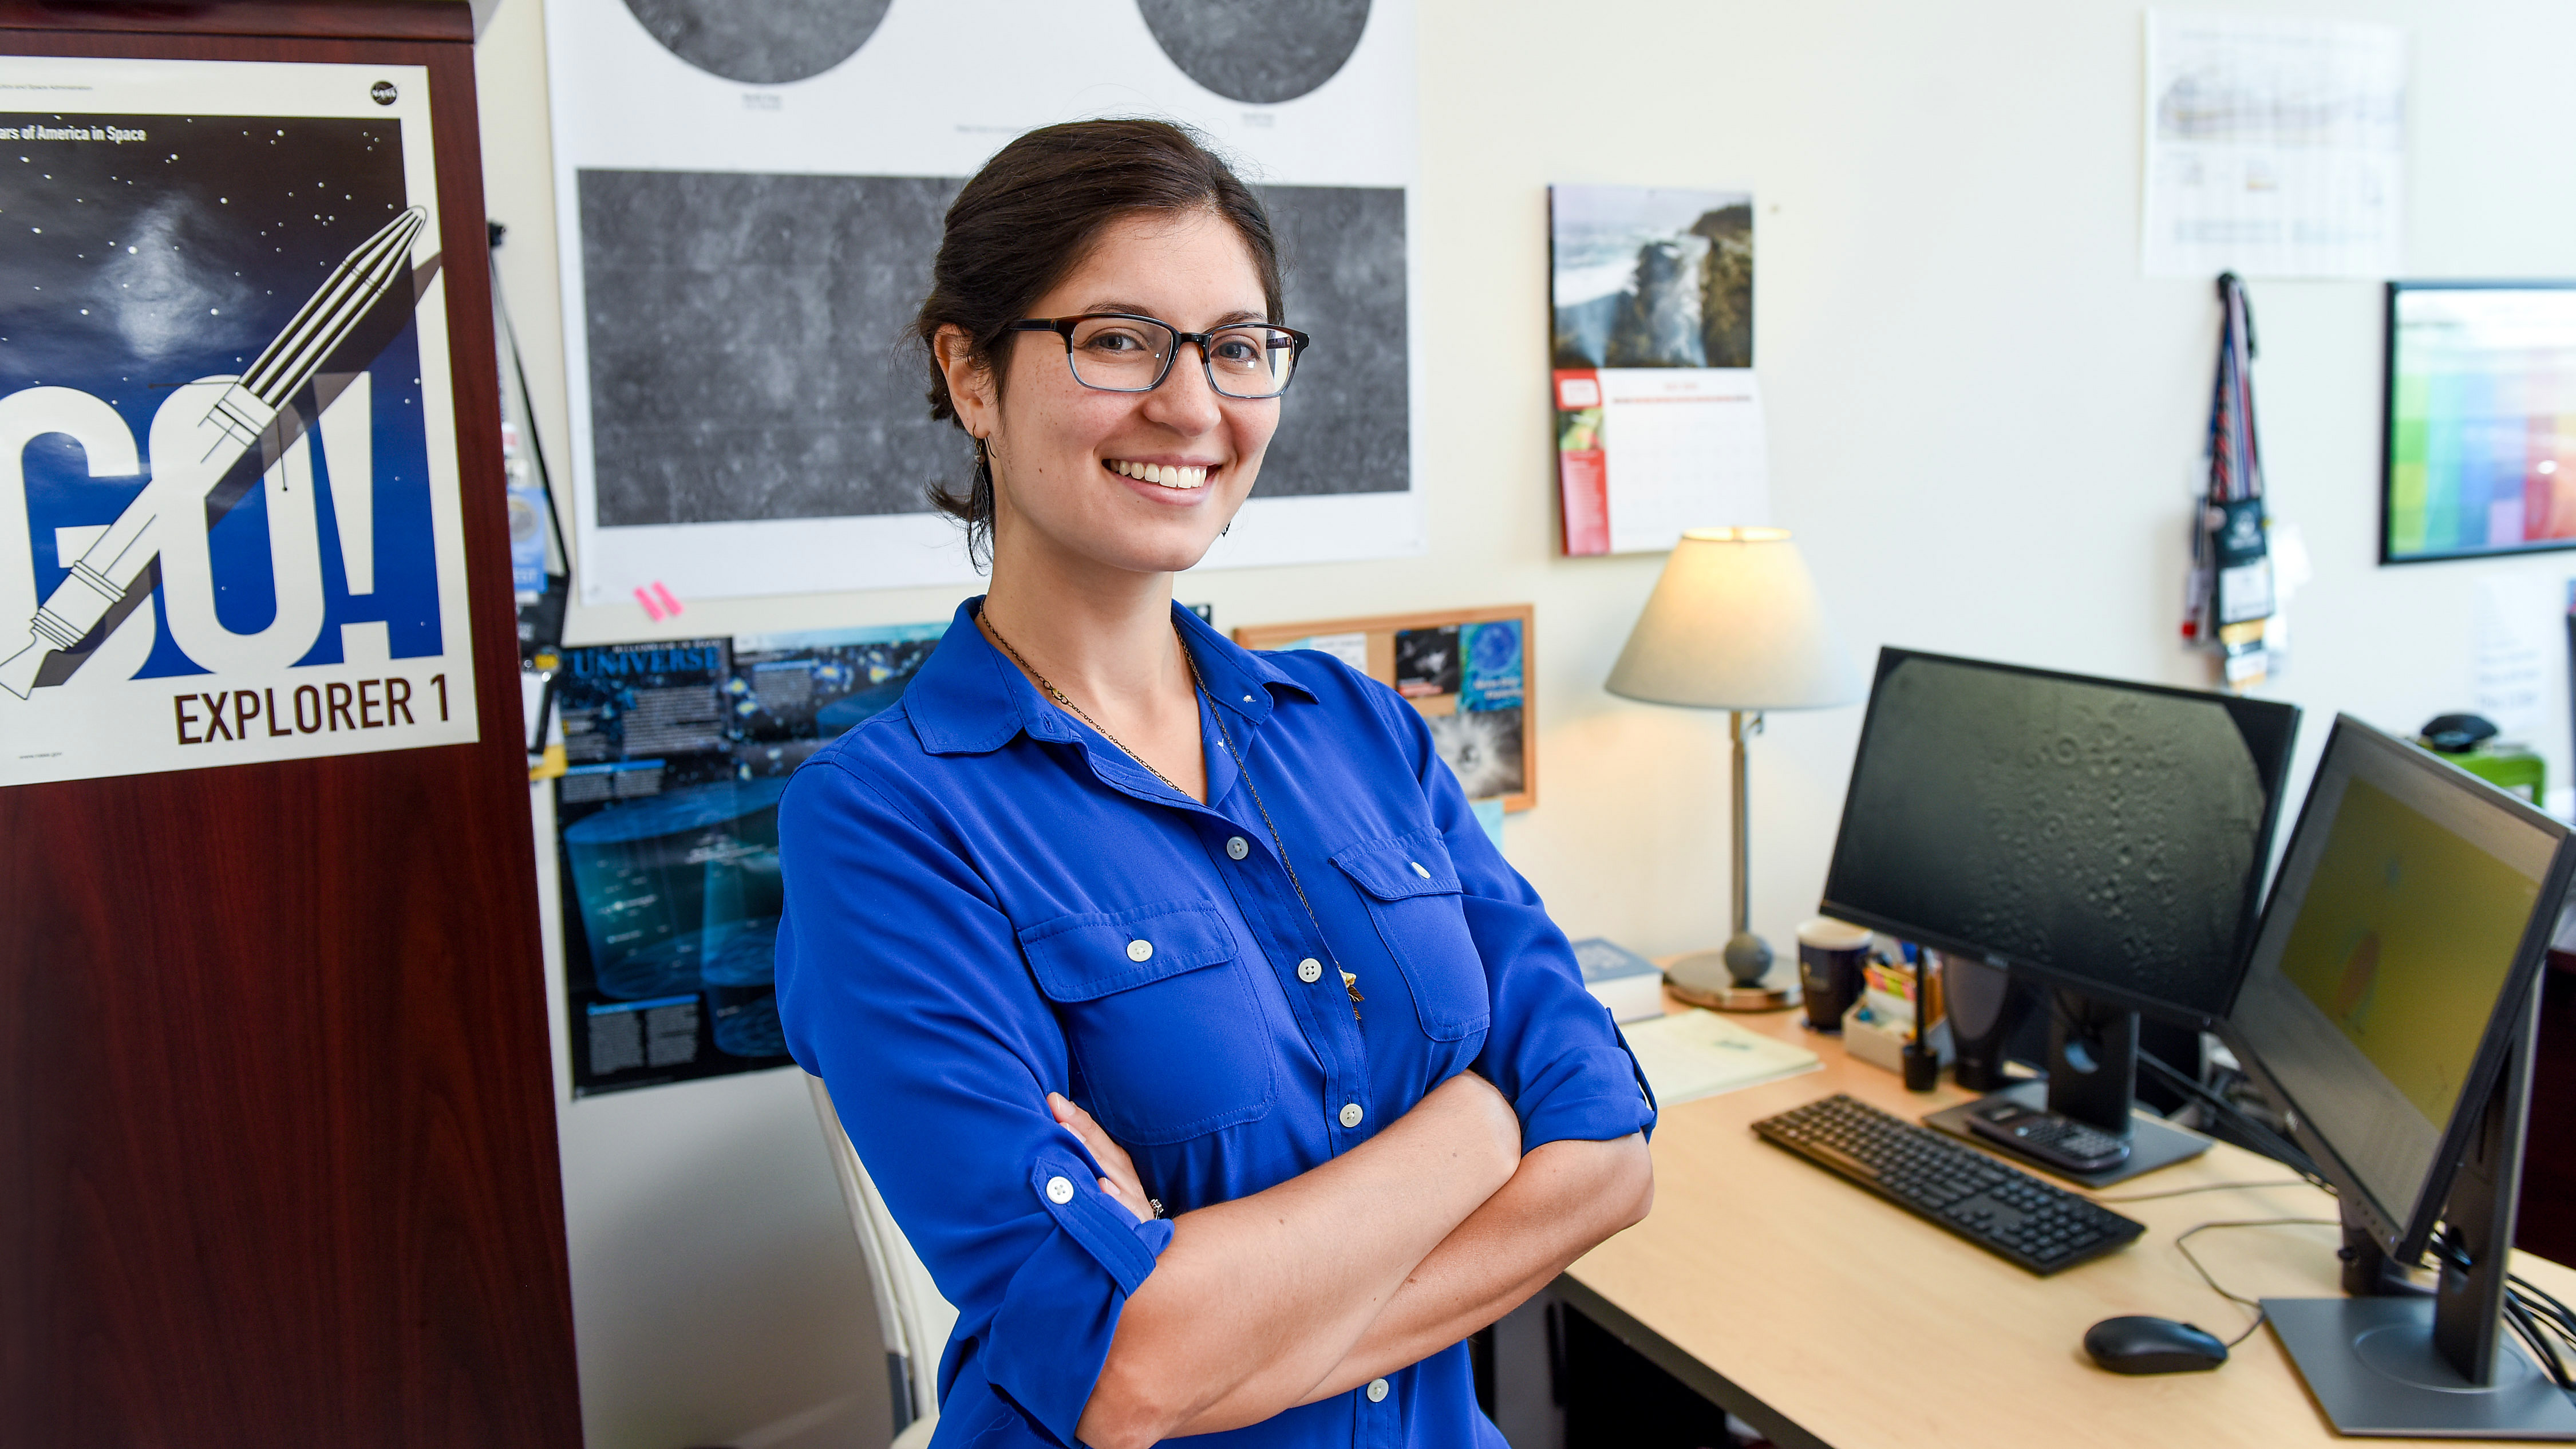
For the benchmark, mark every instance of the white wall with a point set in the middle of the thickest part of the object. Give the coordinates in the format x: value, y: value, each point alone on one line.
x: 1983, y: 425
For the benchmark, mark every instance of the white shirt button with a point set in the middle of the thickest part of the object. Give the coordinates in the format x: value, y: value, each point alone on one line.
x: 1310, y: 970
x: 1351, y: 1114
x: 1247, y: 699
x: 1377, y: 1391
x: 1059, y: 1190
x: 1140, y: 949
x: 1238, y: 848
x: 1418, y: 870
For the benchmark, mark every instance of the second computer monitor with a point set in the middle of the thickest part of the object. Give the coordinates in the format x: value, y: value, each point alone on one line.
x: 2388, y: 1007
x: 2104, y: 836
x: 2393, y: 968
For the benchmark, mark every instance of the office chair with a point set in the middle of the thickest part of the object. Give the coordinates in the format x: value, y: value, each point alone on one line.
x: 914, y: 1318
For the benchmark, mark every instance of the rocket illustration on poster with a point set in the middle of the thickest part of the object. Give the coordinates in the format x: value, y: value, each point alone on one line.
x: 229, y: 522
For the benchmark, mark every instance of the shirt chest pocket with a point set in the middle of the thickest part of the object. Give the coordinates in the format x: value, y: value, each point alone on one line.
x: 1414, y: 898
x: 1158, y: 1010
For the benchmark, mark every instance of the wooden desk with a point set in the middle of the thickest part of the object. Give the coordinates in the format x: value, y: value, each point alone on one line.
x: 1825, y: 1315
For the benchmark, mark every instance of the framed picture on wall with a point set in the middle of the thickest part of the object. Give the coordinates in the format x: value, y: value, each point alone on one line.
x: 1467, y: 670
x: 2480, y: 445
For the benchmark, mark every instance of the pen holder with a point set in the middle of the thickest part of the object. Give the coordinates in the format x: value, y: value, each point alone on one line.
x: 1882, y: 1043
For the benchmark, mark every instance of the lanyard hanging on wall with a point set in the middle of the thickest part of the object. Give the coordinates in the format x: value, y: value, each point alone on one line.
x: 2231, y: 577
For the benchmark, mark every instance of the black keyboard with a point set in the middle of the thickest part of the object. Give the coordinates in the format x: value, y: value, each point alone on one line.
x: 2004, y: 1210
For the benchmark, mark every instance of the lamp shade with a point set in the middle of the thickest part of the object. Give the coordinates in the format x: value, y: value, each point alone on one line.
x: 1734, y: 623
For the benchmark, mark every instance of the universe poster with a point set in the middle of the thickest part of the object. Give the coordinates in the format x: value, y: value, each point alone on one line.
x: 229, y: 523
x: 666, y: 827
x: 751, y: 192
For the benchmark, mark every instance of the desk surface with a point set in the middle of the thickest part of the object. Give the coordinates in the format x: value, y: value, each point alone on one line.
x: 1824, y: 1315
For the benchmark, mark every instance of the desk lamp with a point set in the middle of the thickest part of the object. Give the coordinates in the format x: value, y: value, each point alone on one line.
x: 1734, y: 624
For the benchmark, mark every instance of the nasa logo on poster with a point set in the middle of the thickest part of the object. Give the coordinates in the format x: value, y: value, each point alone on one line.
x: 229, y: 521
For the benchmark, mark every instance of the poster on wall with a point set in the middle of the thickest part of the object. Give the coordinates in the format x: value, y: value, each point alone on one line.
x: 750, y: 196
x: 2276, y: 146
x: 1658, y: 411
x: 229, y: 512
x: 666, y: 833
x: 2480, y: 456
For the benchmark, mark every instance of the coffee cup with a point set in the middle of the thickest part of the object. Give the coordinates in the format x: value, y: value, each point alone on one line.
x: 1831, y: 955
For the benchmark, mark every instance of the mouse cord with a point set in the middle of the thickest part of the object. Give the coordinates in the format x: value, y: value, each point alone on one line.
x: 2182, y: 1244
x: 2203, y: 1187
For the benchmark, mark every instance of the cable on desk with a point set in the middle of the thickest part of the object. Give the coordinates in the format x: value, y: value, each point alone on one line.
x: 2204, y: 1187
x: 2543, y: 1320
x: 2543, y: 1346
x: 2272, y: 1144
x: 2541, y: 1302
x: 2545, y: 1325
x: 2183, y: 1239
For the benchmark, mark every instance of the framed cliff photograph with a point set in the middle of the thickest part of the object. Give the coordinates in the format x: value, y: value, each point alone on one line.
x: 1651, y: 276
x: 1658, y: 413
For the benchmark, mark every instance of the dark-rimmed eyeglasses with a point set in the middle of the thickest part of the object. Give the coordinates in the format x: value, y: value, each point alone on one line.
x: 1125, y: 352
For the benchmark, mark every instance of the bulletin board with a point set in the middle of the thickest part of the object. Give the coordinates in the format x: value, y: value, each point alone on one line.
x: 1470, y: 672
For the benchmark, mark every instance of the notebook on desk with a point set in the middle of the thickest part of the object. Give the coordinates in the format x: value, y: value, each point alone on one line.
x: 1697, y: 1053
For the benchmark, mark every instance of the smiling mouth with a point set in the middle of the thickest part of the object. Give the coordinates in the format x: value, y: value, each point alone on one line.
x: 1178, y: 477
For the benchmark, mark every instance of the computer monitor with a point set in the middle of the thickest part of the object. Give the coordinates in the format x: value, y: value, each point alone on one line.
x: 2105, y: 838
x: 2388, y: 1006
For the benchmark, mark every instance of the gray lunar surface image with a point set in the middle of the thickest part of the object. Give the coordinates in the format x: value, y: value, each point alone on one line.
x: 747, y: 355
x: 761, y: 42
x: 745, y: 344
x: 1345, y: 424
x: 1260, y: 53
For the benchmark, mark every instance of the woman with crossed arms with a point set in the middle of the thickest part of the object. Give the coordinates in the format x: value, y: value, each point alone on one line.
x: 1218, y: 1067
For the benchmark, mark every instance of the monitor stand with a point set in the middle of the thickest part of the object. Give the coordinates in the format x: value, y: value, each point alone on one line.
x: 2092, y: 1077
x: 2399, y: 1362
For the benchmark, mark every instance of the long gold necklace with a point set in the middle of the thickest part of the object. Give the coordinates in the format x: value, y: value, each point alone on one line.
x: 1350, y: 981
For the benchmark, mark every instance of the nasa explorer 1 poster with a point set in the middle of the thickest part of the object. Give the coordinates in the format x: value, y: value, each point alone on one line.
x: 229, y: 511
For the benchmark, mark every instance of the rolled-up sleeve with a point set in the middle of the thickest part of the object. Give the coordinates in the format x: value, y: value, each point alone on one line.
x: 900, y: 984
x: 1552, y: 1048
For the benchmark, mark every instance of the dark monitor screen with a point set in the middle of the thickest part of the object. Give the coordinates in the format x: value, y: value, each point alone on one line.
x: 2410, y: 916
x: 2106, y: 836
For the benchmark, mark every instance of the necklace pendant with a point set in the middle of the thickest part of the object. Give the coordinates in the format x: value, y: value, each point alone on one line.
x: 1351, y: 984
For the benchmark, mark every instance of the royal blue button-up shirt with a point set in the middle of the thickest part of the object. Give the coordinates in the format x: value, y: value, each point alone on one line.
x: 988, y: 901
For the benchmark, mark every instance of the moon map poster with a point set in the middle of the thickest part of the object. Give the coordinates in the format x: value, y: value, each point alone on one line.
x: 229, y: 514
x: 750, y: 194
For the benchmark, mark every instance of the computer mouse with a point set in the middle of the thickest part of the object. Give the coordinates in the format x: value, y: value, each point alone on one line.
x: 2142, y: 1345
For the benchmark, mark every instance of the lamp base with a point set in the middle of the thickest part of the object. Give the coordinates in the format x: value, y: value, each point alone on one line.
x: 1748, y: 958
x: 1703, y: 978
